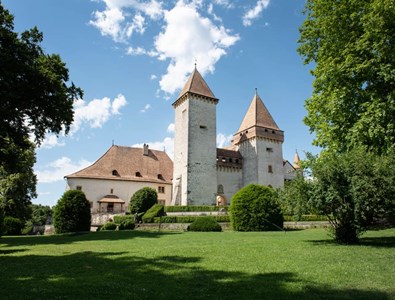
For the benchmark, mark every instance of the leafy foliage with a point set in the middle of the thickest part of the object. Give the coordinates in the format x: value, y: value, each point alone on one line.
x: 12, y: 226
x: 194, y: 208
x: 205, y: 224
x: 119, y: 219
x: 72, y: 213
x: 188, y: 219
x: 142, y: 200
x: 157, y: 210
x: 109, y: 226
x: 294, y: 197
x: 352, y: 46
x: 40, y: 214
x: 126, y: 225
x: 254, y: 208
x: 352, y: 189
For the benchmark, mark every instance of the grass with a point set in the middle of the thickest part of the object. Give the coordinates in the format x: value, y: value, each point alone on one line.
x: 190, y: 265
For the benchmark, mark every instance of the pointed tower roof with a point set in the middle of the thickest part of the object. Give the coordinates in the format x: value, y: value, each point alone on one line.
x: 296, y: 163
x: 258, y: 115
x: 258, y: 122
x: 197, y: 85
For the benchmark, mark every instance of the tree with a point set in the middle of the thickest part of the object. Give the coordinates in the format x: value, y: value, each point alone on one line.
x: 36, y: 98
x: 352, y: 46
x: 352, y: 189
x: 254, y: 208
x: 40, y: 214
x: 142, y: 200
x: 294, y: 197
x: 34, y: 90
x: 72, y: 213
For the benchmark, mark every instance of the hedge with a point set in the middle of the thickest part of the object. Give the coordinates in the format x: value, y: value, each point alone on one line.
x: 205, y: 224
x: 194, y: 208
x: 119, y: 219
x: 156, y: 210
x: 305, y: 218
x: 109, y: 226
x: 188, y: 219
x: 126, y: 225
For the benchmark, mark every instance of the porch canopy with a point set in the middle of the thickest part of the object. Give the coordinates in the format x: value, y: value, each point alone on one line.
x: 111, y: 199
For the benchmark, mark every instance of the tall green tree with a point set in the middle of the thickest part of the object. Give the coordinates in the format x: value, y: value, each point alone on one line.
x: 351, y: 44
x: 352, y: 189
x: 36, y: 98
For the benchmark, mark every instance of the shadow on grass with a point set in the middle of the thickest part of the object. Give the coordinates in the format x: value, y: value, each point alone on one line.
x: 376, y: 242
x: 113, y: 275
x: 78, y: 237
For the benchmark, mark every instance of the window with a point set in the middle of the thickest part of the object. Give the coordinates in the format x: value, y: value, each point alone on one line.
x: 203, y: 127
x: 269, y: 149
x: 78, y: 188
x: 161, y: 189
x: 270, y: 169
x: 220, y: 189
x: 138, y: 174
x: 160, y: 177
x: 111, y: 191
x: 115, y: 173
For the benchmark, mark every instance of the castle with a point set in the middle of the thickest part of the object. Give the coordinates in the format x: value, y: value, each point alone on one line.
x: 201, y: 173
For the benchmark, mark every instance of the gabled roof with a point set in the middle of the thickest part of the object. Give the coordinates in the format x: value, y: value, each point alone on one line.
x: 127, y: 163
x: 197, y: 85
x: 257, y: 115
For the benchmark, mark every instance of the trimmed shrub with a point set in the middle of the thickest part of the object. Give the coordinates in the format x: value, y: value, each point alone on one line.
x: 157, y: 210
x: 195, y: 208
x: 72, y: 213
x: 205, y: 224
x: 126, y: 225
x: 254, y: 208
x: 188, y: 219
x: 12, y: 226
x: 109, y: 226
x: 142, y: 200
x: 120, y: 219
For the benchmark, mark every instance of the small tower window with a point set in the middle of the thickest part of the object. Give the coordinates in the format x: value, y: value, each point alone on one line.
x: 270, y: 169
x: 111, y: 191
x: 203, y: 127
x: 269, y: 149
x: 138, y: 174
x: 220, y: 189
x: 78, y: 188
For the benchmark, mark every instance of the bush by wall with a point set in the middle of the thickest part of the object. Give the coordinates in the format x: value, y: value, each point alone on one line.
x: 157, y: 210
x: 254, y: 208
x: 194, y: 208
x: 188, y: 219
x: 205, y: 224
x: 12, y: 226
x: 109, y: 226
x: 126, y: 225
x: 142, y: 200
x: 305, y: 218
x: 72, y: 213
x: 119, y: 219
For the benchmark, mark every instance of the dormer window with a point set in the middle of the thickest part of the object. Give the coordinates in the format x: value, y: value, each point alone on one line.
x: 115, y: 173
x: 160, y: 177
x: 138, y: 174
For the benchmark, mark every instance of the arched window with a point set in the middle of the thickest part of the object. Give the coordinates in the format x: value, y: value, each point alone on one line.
x: 115, y: 173
x: 220, y: 189
x: 138, y: 174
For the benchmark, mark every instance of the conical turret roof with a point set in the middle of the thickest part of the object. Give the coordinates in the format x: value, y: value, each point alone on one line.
x: 197, y: 85
x: 258, y: 115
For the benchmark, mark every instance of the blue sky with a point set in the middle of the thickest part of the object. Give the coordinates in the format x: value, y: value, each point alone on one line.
x: 132, y: 57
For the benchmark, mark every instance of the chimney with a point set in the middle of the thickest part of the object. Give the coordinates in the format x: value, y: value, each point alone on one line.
x: 145, y: 150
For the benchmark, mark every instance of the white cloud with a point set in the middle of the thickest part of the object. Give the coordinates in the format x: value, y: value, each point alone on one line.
x: 188, y: 36
x: 115, y: 20
x: 51, y: 141
x: 223, y: 140
x: 146, y: 107
x: 153, y: 77
x: 170, y: 128
x: 167, y: 144
x: 56, y: 170
x: 255, y: 12
x: 96, y: 112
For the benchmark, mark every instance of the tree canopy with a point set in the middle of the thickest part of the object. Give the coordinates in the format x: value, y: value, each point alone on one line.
x: 34, y: 87
x: 351, y: 44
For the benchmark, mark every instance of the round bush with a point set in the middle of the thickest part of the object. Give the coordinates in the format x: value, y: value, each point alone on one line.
x: 142, y: 200
x: 205, y: 224
x: 254, y: 208
x: 126, y: 225
x: 12, y: 226
x: 72, y: 213
x: 109, y: 226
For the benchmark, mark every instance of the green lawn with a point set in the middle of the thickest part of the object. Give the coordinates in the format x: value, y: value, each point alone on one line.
x: 188, y: 265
